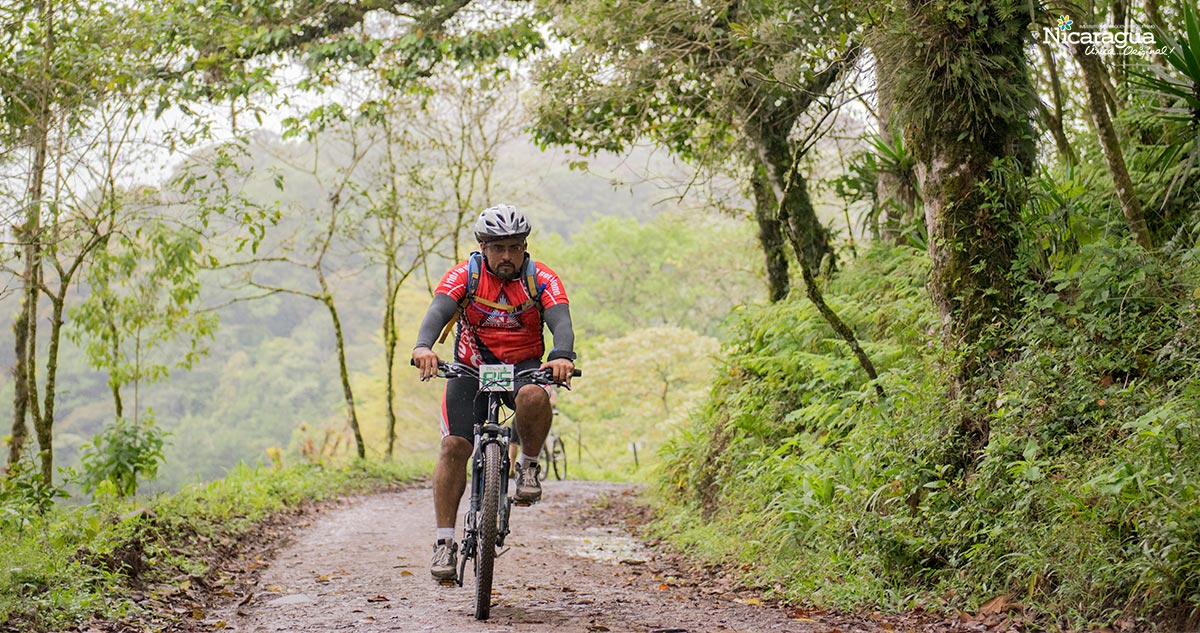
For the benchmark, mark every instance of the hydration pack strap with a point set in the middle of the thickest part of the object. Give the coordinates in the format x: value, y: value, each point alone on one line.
x: 474, y: 268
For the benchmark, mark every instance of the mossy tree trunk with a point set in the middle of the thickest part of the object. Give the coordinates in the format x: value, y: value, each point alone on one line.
x: 964, y: 94
x: 25, y: 395
x: 767, y: 122
x: 770, y: 237
x: 796, y: 216
x: 20, y: 429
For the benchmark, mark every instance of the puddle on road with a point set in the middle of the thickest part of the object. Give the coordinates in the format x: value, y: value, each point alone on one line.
x: 603, y: 545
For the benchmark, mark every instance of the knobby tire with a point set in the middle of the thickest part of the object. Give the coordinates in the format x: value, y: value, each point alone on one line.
x: 485, y: 555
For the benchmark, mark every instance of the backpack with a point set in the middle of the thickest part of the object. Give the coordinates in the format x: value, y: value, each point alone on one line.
x: 474, y: 269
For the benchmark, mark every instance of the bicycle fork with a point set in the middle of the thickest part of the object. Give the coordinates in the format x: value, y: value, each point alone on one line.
x: 494, y: 435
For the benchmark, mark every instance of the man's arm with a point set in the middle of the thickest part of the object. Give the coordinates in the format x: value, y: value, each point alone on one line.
x: 441, y: 310
x: 562, y: 358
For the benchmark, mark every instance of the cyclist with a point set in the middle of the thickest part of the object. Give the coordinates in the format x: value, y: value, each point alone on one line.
x: 500, y: 321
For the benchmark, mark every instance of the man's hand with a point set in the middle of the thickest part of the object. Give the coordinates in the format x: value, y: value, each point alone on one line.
x: 426, y: 360
x: 561, y: 368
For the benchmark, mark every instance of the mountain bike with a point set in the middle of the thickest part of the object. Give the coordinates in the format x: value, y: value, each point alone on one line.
x: 490, y: 506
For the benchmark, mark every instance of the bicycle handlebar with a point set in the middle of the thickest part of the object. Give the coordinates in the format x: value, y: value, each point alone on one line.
x: 538, y: 375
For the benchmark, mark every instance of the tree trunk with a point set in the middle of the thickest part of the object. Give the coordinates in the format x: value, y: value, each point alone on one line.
x: 33, y: 250
x: 1120, y: 19
x: 770, y: 237
x: 767, y: 122
x: 1131, y: 207
x: 44, y: 424
x: 389, y: 343
x: 351, y: 413
x: 1054, y: 120
x: 972, y: 142
x: 20, y: 429
x: 114, y: 358
x: 810, y: 239
x: 781, y: 192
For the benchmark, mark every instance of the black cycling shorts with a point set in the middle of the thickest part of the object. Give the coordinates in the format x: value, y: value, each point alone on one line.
x: 463, y: 403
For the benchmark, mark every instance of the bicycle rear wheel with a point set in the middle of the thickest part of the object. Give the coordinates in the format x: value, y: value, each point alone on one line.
x: 558, y: 458
x: 544, y: 462
x: 485, y: 554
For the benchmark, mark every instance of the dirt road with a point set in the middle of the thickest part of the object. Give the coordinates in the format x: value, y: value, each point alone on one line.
x: 363, y: 567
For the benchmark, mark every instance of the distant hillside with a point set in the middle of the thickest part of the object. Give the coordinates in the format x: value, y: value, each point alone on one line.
x: 269, y: 380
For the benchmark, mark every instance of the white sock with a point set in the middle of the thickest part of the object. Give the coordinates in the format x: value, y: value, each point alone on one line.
x: 525, y: 460
x: 445, y: 534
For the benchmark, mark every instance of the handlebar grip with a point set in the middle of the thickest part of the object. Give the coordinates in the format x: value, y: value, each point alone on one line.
x: 576, y: 372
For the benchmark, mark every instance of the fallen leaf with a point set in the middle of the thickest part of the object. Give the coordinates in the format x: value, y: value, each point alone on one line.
x: 999, y: 604
x: 378, y: 599
x: 663, y: 587
x: 754, y: 601
x: 405, y: 573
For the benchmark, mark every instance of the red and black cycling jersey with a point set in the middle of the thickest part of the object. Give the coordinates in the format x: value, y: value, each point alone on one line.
x: 490, y: 335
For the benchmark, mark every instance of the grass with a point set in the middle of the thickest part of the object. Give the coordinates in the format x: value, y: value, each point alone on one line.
x: 71, y: 564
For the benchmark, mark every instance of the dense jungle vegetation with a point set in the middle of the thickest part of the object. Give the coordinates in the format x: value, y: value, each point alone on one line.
x: 907, y: 291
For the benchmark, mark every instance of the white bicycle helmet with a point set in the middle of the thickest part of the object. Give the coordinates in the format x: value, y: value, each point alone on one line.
x: 499, y: 222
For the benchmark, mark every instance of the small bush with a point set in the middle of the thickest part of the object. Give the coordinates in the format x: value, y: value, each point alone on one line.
x: 124, y: 451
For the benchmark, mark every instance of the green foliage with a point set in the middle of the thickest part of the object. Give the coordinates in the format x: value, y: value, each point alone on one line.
x: 143, y: 288
x: 636, y: 391
x: 1183, y: 54
x: 75, y: 563
x: 685, y: 76
x: 861, y: 181
x: 679, y: 270
x: 125, y: 451
x: 1081, y: 507
x: 24, y: 496
x: 959, y: 74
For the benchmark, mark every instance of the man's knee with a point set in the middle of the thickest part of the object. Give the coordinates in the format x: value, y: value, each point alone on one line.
x: 455, y: 448
x: 532, y: 397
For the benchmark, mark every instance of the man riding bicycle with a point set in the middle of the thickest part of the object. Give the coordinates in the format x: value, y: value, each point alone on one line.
x: 501, y: 306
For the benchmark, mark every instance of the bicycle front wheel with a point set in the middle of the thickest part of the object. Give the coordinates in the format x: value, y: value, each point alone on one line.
x: 485, y: 554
